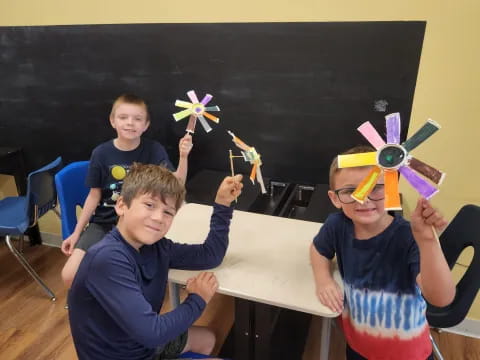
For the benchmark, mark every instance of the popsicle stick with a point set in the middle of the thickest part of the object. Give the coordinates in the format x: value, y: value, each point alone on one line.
x: 231, y: 167
x: 366, y: 186
x: 369, y: 132
x: 392, y: 123
x: 360, y: 159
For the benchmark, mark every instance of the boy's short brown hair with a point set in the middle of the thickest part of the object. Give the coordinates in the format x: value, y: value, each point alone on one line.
x: 129, y: 99
x: 334, y: 169
x: 152, y: 179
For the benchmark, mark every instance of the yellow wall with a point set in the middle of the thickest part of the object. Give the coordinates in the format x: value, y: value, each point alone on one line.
x: 448, y: 83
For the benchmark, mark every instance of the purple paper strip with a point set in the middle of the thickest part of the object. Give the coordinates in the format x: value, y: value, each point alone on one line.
x: 393, y: 128
x: 423, y: 187
x: 206, y: 99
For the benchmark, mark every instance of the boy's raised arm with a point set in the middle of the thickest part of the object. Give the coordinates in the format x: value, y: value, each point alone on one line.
x: 210, y: 254
x: 435, y: 278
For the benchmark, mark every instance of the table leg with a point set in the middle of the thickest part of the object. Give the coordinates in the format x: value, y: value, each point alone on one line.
x: 174, y: 294
x: 243, y: 330
x: 325, y: 339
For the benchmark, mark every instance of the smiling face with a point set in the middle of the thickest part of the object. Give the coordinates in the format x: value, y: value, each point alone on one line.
x: 371, y: 214
x: 146, y: 220
x: 130, y: 121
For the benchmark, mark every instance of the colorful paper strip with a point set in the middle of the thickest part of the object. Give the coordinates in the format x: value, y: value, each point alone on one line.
x: 360, y: 159
x: 426, y: 170
x: 422, y: 134
x: 204, y: 123
x: 193, y: 96
x: 392, y: 196
x: 206, y: 99
x: 367, y: 184
x: 182, y: 114
x: 423, y: 187
x: 183, y: 104
x: 369, y: 132
x: 392, y: 122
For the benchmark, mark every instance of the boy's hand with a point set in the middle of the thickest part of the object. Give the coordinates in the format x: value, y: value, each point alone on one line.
x: 185, y: 145
x: 330, y: 295
x: 204, y: 285
x: 69, y: 243
x: 423, y: 218
x: 229, y: 190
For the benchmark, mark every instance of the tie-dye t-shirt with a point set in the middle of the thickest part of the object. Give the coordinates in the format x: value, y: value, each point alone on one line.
x: 384, y: 313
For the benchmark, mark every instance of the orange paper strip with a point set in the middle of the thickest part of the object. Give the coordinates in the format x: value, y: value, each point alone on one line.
x: 392, y: 196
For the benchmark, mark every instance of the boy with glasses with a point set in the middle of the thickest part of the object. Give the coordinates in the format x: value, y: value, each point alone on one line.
x: 386, y: 264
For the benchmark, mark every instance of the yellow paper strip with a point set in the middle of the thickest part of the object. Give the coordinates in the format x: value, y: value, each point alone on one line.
x: 182, y: 114
x: 366, y: 186
x: 183, y: 104
x: 360, y: 159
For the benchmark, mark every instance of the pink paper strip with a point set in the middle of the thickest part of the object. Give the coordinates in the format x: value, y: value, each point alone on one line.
x: 393, y: 128
x: 193, y: 96
x: 369, y: 132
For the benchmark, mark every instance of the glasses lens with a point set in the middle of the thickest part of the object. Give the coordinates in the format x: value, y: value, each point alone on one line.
x: 378, y: 192
x: 345, y: 195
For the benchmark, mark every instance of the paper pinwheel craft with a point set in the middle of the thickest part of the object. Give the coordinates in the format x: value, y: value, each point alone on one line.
x: 250, y: 155
x: 196, y: 109
x: 393, y: 157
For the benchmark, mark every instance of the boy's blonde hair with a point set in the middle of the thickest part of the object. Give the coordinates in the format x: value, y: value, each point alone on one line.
x: 152, y: 179
x: 334, y: 169
x: 129, y: 99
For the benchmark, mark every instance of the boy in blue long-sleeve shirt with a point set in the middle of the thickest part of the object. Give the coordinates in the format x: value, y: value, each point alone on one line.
x: 117, y: 294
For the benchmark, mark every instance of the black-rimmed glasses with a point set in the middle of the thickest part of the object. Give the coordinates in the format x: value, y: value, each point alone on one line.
x: 345, y: 194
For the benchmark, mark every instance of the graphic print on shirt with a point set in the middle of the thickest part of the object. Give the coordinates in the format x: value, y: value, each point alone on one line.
x: 114, y: 185
x: 381, y: 322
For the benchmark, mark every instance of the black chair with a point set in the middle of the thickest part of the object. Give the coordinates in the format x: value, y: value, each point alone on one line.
x: 463, y: 231
x: 18, y: 213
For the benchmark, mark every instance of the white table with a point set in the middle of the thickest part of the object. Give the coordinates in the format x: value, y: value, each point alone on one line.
x: 267, y: 260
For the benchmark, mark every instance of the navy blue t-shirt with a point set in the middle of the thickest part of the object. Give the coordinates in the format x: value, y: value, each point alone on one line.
x: 384, y: 311
x: 108, y: 167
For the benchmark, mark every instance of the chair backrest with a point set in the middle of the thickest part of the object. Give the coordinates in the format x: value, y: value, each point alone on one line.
x: 462, y: 232
x: 41, y: 191
x: 72, y: 192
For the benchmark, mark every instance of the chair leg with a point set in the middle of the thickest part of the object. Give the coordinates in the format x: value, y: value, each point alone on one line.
x: 436, y: 350
x: 20, y: 244
x: 27, y: 266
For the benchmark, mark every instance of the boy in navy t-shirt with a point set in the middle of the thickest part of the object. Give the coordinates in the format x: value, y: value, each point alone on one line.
x: 387, y: 265
x: 108, y: 166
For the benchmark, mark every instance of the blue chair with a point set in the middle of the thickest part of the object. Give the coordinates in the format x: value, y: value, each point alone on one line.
x: 72, y: 192
x: 461, y: 233
x: 18, y: 213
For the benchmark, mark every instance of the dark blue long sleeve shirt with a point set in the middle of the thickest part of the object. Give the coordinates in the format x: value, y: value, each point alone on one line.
x: 118, y: 292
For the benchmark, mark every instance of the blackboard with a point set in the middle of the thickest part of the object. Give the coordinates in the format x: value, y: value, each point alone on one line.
x: 295, y: 91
